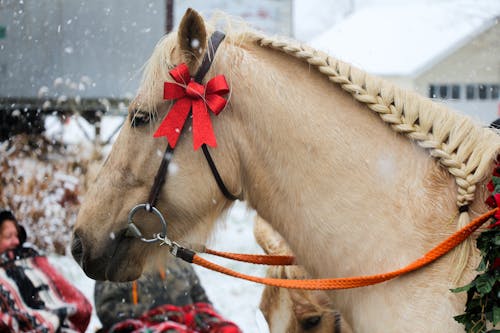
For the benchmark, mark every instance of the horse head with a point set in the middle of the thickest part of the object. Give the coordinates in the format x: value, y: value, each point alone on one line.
x: 190, y: 195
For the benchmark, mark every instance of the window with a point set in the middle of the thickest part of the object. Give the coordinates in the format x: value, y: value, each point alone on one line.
x: 455, y: 91
x: 443, y: 91
x: 470, y: 91
x: 432, y: 91
x: 495, y: 94
x: 482, y: 91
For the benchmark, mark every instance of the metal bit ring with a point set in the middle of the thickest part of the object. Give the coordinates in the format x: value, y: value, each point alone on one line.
x: 134, y: 231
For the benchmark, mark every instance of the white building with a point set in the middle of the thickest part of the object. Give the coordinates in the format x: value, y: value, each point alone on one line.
x: 447, y: 50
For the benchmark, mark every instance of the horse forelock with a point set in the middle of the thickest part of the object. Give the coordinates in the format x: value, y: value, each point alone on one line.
x: 155, y: 73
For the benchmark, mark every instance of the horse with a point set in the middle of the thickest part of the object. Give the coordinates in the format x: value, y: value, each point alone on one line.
x: 293, y: 310
x: 359, y: 176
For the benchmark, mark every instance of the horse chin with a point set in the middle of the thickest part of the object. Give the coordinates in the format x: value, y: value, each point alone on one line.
x: 123, y: 266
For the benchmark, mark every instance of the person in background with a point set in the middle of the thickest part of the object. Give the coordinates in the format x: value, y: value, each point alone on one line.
x: 11, y: 234
x: 169, y: 298
x: 34, y: 297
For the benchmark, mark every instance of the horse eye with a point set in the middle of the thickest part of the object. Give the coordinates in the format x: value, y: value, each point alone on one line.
x: 138, y: 118
x: 311, y: 322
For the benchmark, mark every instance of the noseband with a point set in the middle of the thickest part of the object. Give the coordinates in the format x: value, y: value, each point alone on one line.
x: 132, y: 230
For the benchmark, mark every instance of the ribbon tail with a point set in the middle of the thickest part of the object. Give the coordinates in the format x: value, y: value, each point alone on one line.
x: 171, y: 126
x: 202, y: 126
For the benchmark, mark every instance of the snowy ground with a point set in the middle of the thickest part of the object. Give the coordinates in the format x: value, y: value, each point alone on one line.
x: 236, y: 299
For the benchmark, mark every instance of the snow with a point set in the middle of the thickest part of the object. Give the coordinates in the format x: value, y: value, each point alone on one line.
x: 75, y: 129
x: 331, y: 12
x: 403, y: 38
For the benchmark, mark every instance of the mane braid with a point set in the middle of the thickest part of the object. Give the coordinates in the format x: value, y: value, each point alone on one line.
x: 465, y: 149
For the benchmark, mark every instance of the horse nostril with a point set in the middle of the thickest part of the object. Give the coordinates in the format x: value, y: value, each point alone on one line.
x: 77, y: 249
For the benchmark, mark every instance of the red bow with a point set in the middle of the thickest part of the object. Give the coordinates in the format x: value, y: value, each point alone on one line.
x: 193, y: 96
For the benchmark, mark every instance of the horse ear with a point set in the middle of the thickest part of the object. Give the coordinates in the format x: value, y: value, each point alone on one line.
x: 192, y: 37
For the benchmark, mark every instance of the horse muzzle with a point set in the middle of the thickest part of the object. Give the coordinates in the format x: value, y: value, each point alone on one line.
x: 108, y: 265
x: 94, y: 268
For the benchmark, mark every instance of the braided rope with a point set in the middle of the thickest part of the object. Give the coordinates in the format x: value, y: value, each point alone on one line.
x: 358, y: 281
x: 463, y: 148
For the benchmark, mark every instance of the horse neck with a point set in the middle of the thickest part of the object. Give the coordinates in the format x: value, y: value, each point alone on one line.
x: 323, y: 169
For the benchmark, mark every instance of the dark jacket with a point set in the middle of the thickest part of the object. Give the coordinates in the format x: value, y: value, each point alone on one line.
x: 178, y: 284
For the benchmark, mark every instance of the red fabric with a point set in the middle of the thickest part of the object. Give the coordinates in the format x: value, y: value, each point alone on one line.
x: 195, y: 318
x: 192, y: 96
x: 159, y: 313
x: 9, y: 320
x: 496, y: 264
x: 68, y: 293
x: 35, y: 298
x: 491, y: 202
x: 496, y: 196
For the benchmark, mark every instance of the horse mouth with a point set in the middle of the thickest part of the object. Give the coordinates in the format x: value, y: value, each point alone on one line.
x: 113, y: 264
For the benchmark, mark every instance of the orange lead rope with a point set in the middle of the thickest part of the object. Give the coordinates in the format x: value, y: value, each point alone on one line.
x: 135, y: 296
x: 339, y: 283
x: 261, y: 259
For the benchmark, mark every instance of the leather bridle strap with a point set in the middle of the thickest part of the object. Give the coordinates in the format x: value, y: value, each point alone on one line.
x: 216, y: 174
x: 214, y: 42
x: 160, y: 177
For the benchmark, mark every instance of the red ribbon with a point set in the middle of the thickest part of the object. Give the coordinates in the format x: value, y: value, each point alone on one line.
x: 191, y: 95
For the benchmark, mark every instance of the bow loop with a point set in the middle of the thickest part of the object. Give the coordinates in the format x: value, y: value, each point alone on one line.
x: 181, y: 74
x: 195, y: 97
x: 218, y: 85
x: 215, y: 103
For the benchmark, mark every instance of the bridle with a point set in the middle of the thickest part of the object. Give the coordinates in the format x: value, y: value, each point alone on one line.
x: 161, y: 175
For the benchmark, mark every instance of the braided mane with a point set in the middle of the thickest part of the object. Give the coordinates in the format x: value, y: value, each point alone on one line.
x: 466, y: 149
